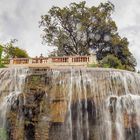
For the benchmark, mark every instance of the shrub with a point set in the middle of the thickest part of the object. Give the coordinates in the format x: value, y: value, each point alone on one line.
x: 110, y: 61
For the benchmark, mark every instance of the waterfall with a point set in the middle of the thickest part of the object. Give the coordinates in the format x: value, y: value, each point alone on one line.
x: 11, y: 86
x: 69, y: 104
x: 101, y: 104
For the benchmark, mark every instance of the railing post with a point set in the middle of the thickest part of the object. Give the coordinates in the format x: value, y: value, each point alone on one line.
x: 30, y: 61
x: 70, y: 60
x: 49, y: 61
x: 92, y: 59
x: 11, y: 61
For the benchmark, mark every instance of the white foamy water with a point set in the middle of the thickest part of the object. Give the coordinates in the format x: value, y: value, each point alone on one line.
x: 102, y: 104
x: 88, y: 104
x: 11, y: 86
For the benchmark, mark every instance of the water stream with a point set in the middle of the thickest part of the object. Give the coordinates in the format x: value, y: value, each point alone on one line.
x: 69, y: 104
x: 11, y: 86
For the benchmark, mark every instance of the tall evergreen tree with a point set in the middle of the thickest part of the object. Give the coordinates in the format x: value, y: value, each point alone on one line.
x: 78, y: 29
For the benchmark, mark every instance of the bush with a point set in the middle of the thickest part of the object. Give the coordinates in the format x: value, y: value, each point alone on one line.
x: 110, y: 61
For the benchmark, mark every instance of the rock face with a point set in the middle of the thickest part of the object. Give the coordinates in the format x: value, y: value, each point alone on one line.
x: 69, y: 104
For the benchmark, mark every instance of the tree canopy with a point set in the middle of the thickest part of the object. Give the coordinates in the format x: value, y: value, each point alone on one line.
x: 12, y: 51
x: 78, y: 30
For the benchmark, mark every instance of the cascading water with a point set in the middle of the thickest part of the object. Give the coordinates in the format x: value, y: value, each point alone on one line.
x: 101, y: 105
x: 72, y: 104
x: 11, y: 85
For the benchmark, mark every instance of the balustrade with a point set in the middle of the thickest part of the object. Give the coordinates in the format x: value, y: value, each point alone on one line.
x: 80, y: 59
x: 52, y: 60
x: 39, y: 60
x: 59, y: 59
x: 20, y: 60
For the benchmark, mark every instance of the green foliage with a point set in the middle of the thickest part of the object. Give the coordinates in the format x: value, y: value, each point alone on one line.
x: 3, y: 134
x: 2, y: 65
x: 93, y: 65
x: 20, y: 53
x: 111, y: 61
x: 35, y: 80
x: 77, y: 29
x: 12, y: 51
x: 1, y: 50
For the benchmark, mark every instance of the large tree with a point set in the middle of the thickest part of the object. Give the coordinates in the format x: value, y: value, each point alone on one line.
x: 78, y: 29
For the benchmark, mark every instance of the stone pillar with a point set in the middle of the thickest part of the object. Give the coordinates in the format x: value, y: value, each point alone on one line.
x: 30, y: 61
x: 92, y: 59
x: 70, y: 60
x: 49, y: 61
x: 11, y: 61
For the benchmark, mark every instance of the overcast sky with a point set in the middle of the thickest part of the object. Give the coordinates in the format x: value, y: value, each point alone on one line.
x: 19, y: 19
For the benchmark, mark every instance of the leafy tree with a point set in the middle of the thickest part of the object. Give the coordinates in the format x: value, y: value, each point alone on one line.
x: 12, y: 51
x: 110, y: 61
x: 78, y: 29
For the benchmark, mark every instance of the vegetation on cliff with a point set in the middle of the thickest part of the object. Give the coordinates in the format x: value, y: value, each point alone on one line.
x: 78, y: 30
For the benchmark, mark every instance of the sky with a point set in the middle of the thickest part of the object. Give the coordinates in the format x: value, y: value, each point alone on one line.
x: 19, y: 19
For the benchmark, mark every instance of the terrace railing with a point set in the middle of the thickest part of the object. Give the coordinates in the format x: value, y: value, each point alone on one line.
x: 66, y: 60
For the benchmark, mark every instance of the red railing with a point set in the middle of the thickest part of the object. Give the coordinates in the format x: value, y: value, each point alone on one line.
x: 39, y: 60
x: 20, y: 61
x: 81, y: 59
x: 60, y: 59
x: 70, y: 59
